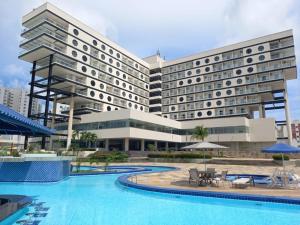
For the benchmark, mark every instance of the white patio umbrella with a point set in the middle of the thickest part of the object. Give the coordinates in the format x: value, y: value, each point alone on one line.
x: 204, y: 146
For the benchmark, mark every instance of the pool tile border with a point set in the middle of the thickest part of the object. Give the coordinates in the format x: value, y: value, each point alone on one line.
x: 124, y: 180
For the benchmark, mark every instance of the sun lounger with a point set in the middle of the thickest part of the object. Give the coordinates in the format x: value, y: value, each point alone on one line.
x: 241, y: 182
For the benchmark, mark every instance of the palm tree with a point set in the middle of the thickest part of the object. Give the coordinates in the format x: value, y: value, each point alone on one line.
x: 88, y: 137
x: 76, y: 134
x: 199, y: 133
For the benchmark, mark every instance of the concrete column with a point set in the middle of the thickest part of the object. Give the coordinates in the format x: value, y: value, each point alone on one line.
x: 107, y: 144
x: 287, y: 114
x: 70, y: 122
x: 126, y: 144
x: 262, y: 113
x: 167, y: 146
x: 53, y: 121
x: 142, y: 145
x: 155, y: 144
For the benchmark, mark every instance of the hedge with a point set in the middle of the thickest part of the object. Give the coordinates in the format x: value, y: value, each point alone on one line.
x: 279, y: 157
x: 179, y: 155
x: 103, y: 156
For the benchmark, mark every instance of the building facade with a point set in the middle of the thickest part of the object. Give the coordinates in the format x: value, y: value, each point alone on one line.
x: 296, y: 132
x: 18, y: 100
x: 75, y: 66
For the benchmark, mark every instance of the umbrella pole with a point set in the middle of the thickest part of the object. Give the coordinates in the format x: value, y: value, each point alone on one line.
x: 283, y: 167
x: 204, y: 159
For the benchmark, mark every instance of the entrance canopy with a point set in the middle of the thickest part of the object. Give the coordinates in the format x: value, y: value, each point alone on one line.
x: 14, y: 123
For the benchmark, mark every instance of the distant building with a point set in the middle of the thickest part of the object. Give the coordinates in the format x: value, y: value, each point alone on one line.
x: 296, y: 132
x: 18, y: 100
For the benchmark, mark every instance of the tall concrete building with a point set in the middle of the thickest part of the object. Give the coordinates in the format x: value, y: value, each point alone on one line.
x: 18, y: 100
x: 114, y: 93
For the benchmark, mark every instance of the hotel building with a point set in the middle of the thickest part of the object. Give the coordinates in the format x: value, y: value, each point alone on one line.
x: 131, y: 102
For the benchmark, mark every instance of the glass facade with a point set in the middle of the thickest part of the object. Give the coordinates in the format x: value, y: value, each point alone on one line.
x: 151, y: 126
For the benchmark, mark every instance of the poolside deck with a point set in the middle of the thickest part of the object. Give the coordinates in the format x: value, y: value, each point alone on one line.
x: 179, y: 179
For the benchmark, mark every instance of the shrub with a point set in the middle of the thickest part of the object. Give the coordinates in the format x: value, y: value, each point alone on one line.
x: 279, y: 157
x: 179, y: 155
x: 111, y: 156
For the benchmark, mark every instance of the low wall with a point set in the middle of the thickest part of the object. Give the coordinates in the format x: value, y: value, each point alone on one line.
x: 34, y: 171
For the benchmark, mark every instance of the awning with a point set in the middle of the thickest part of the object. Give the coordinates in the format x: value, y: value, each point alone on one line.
x: 204, y: 145
x: 12, y: 122
x: 281, y: 148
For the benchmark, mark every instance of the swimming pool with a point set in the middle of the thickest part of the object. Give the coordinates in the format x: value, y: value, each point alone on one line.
x: 99, y: 199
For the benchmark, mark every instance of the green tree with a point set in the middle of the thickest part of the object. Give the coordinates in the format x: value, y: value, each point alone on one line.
x: 88, y: 138
x: 200, y: 133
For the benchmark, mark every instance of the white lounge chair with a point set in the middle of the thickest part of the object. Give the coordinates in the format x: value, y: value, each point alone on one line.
x: 242, y: 182
x: 220, y: 178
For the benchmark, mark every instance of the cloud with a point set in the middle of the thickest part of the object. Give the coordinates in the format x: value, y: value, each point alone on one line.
x: 13, y: 69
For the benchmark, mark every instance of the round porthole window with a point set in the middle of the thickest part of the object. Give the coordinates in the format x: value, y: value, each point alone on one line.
x: 92, y: 93
x: 83, y: 68
x: 239, y: 81
x: 130, y: 96
x: 136, y: 66
x: 217, y: 58
x: 248, y: 51
x: 209, y: 113
x: 117, y: 82
x: 190, y: 81
x: 206, y: 60
x: 228, y: 83
x: 108, y: 108
x: 124, y: 85
x: 103, y: 47
x: 197, y: 63
x: 110, y: 70
x: 219, y: 103
x: 93, y: 72
x: 198, y: 79
x: 109, y: 98
x: 95, y: 42
x: 75, y: 32
x: 129, y: 104
x: 124, y: 76
x: 261, y: 58
x: 101, y: 96
x: 218, y: 93
x: 117, y: 73
x: 173, y: 108
x: 250, y: 70
x: 118, y: 64
x: 238, y: 72
x: 85, y: 48
x: 111, y: 51
x: 181, y: 82
x: 74, y: 53
x: 93, y: 83
x: 118, y: 55
x: 135, y: 106
x: 74, y: 42
x: 208, y: 104
x: 198, y: 71
x: 181, y: 99
x: 199, y: 114
x: 123, y: 93
x: 249, y: 60
x: 189, y: 73
x: 261, y: 48
x: 110, y: 61
x: 102, y: 56
x: 84, y: 58
x: 136, y: 98
x: 207, y: 69
x: 101, y: 86
x: 228, y: 92
x: 141, y: 108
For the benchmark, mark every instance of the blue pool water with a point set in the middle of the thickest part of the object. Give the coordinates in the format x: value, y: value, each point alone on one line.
x: 92, y: 200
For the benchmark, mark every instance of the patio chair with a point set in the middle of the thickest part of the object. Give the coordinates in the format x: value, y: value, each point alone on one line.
x: 194, y: 176
x: 221, y: 178
x: 242, y: 182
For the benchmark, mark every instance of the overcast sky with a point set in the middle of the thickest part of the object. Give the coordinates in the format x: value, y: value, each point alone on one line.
x: 177, y: 28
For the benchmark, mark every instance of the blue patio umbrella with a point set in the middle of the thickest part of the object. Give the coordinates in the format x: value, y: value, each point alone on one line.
x: 282, y: 149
